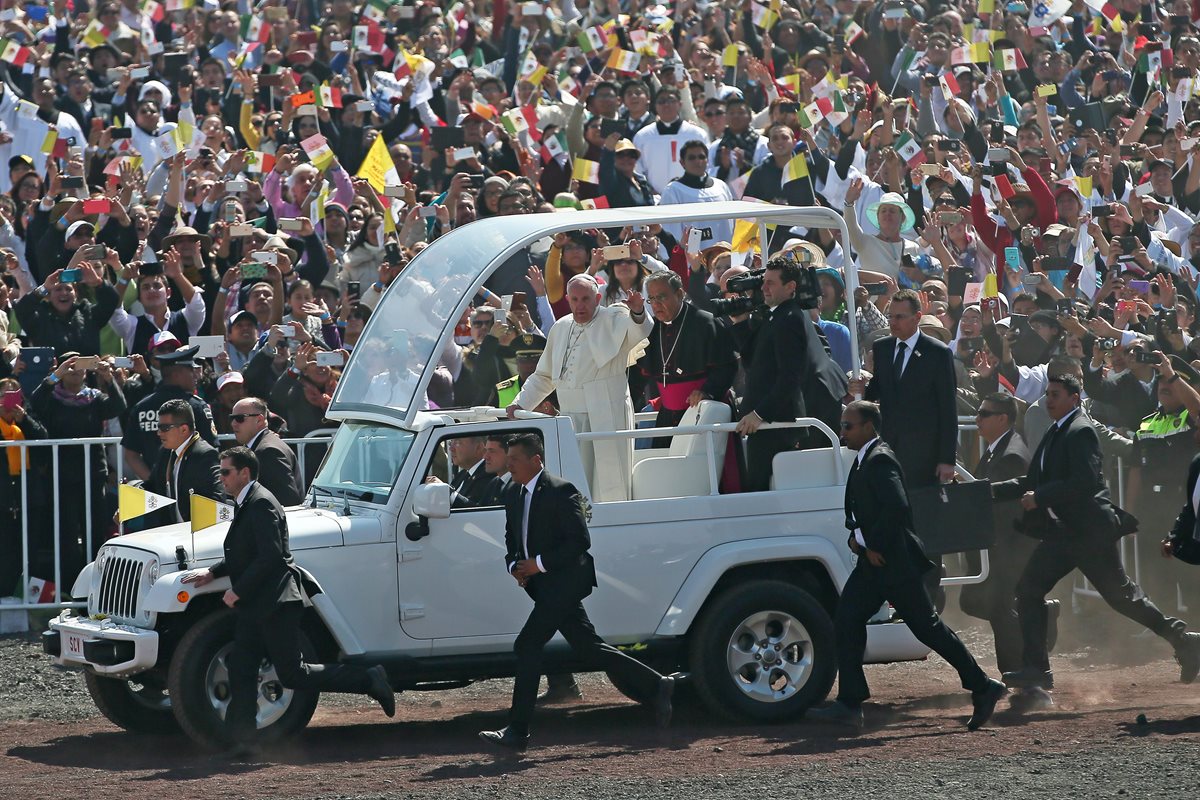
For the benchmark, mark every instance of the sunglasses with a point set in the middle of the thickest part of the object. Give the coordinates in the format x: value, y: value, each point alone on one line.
x: 168, y: 426
x: 225, y: 472
x: 239, y: 418
x: 983, y: 414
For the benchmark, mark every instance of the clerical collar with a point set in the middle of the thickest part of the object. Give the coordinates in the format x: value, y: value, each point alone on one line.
x: 695, y: 182
x: 669, y: 128
x: 678, y: 315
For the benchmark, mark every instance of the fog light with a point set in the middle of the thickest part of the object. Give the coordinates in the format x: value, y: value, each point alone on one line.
x: 183, y: 597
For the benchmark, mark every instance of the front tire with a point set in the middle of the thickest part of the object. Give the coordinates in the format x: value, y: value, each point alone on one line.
x: 763, y: 651
x: 198, y: 682
x: 139, y: 704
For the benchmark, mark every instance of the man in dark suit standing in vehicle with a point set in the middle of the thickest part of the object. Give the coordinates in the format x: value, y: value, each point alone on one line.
x: 547, y: 539
x: 268, y: 601
x: 994, y: 600
x: 1066, y: 505
x: 785, y: 363
x: 277, y: 467
x: 891, y: 562
x: 914, y: 385
x: 186, y: 463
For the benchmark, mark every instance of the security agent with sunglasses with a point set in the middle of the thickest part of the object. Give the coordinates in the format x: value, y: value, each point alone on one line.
x: 891, y: 563
x: 278, y: 471
x: 268, y: 595
x: 186, y: 464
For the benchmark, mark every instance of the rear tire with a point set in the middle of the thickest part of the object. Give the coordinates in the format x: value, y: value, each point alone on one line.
x: 136, y: 706
x: 763, y: 651
x: 199, y: 688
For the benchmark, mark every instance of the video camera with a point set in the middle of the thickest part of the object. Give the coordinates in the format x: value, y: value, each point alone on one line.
x: 808, y: 288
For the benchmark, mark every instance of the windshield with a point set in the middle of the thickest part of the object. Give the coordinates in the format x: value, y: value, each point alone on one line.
x: 364, y: 462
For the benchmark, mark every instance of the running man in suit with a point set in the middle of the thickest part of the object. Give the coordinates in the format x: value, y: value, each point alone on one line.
x: 891, y: 563
x: 547, y: 539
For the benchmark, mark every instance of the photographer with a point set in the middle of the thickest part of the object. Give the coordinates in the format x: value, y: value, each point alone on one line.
x: 65, y: 321
x: 783, y: 356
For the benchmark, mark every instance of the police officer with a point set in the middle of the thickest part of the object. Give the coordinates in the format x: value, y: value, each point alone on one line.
x: 1163, y: 449
x: 140, y: 443
x: 528, y: 348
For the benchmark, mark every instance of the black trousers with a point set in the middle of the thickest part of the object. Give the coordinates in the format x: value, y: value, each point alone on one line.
x: 566, y: 615
x: 1100, y: 563
x: 994, y: 600
x: 761, y: 448
x: 862, y: 596
x: 276, y: 637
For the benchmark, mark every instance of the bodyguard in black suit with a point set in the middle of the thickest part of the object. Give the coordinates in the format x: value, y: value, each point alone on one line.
x: 1184, y: 540
x: 891, y: 563
x: 278, y: 470
x: 1066, y: 505
x: 547, y: 538
x: 785, y: 363
x: 267, y: 598
x: 914, y: 385
x: 185, y: 464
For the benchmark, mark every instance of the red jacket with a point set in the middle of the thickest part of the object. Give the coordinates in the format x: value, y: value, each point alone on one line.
x: 996, y: 237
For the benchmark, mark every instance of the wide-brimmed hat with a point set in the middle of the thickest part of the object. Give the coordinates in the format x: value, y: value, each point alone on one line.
x: 892, y: 199
x: 932, y: 326
x: 280, y: 245
x: 186, y: 232
x: 626, y: 146
x: 807, y: 253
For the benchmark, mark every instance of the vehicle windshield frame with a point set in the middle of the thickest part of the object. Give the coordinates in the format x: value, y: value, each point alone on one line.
x: 350, y: 441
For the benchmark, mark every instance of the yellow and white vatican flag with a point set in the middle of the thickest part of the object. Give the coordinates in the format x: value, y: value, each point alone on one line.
x: 207, y: 512
x: 133, y: 502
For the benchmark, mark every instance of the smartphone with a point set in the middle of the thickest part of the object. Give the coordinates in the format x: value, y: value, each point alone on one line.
x: 210, y: 346
x: 1045, y: 165
x: 957, y: 280
x: 1065, y: 307
x: 930, y: 80
x: 1102, y: 210
x: 425, y: 212
x: 233, y: 187
x: 1012, y: 258
x: 876, y: 289
x: 101, y: 205
x: 12, y: 399
x: 949, y: 218
x: 398, y: 192
x: 87, y: 362
x: 1126, y: 307
x: 997, y: 154
x: 241, y: 230
x: 1074, y: 272
x: 616, y: 252
x: 330, y: 358
x: 1140, y: 286
x: 1143, y: 357
x: 518, y: 300
x: 1052, y: 263
x: 229, y: 213
x: 442, y: 137
x: 150, y: 268
x: 610, y: 126
x: 288, y: 330
x: 949, y: 145
x: 139, y: 73
x: 272, y: 79
x: 254, y: 270
x: 121, y: 133
x: 122, y: 362
x: 71, y: 275
x: 1128, y: 244
x: 291, y: 224
x: 354, y: 288
x: 1128, y: 150
x: 1018, y: 323
x: 364, y: 106
x: 500, y: 316
x: 265, y: 257
x: 339, y: 46
x: 73, y: 182
x: 475, y: 181
x: 789, y: 108
x: 1032, y: 280
x: 973, y: 343
x: 929, y: 170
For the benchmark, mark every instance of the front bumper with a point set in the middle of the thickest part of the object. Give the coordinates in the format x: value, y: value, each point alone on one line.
x: 103, y: 646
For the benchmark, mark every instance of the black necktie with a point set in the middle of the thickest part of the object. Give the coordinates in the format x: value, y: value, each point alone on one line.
x: 1046, y: 440
x: 898, y: 364
x: 525, y: 522
x: 171, y: 474
x: 983, y: 463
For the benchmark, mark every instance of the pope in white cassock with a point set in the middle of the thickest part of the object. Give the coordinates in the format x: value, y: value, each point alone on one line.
x: 585, y: 361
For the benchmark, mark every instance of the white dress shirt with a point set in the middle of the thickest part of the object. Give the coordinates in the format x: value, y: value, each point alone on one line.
x: 241, y: 498
x: 525, y: 519
x: 862, y: 454
x: 910, y: 344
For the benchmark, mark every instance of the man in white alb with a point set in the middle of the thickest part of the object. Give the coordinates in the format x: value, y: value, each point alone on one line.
x: 585, y: 361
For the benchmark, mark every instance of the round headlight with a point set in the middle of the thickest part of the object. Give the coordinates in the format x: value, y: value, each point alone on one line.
x: 101, y: 559
x: 152, y: 570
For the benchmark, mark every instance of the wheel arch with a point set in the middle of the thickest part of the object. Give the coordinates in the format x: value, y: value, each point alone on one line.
x: 810, y: 562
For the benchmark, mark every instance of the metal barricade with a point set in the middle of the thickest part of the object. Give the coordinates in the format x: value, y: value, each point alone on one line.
x: 301, y: 445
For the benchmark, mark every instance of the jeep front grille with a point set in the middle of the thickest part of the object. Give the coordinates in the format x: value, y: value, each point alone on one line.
x: 119, y: 586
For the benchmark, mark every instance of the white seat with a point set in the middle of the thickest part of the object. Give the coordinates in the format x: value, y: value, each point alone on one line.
x: 808, y: 469
x: 683, y: 472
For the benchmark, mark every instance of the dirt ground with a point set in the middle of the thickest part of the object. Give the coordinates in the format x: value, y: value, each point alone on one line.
x: 1091, y: 744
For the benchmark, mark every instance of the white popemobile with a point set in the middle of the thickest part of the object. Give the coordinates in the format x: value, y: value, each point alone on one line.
x: 738, y: 590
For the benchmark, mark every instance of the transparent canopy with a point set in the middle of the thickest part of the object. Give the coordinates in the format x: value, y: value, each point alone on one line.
x: 391, y: 367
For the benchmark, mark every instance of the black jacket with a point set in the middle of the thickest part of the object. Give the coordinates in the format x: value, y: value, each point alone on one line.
x: 79, y: 330
x: 278, y: 472
x: 1125, y: 392
x: 257, y: 559
x: 471, y: 489
x: 789, y: 373
x: 199, y: 472
x: 1069, y: 482
x: 1185, y: 536
x: 920, y: 412
x: 877, y: 504
x: 558, y: 534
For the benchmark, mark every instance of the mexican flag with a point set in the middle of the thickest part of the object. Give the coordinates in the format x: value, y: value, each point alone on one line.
x: 909, y: 150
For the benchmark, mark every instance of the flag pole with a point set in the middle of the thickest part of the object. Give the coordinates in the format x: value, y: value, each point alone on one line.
x: 191, y: 525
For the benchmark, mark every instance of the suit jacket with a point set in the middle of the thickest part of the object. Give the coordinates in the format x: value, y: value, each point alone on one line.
x: 558, y: 533
x: 496, y: 493
x: 1185, y: 536
x: 257, y: 559
x: 277, y: 469
x: 1010, y: 459
x: 1069, y: 481
x: 470, y: 489
x: 788, y: 372
x: 920, y: 413
x: 1124, y: 393
x: 877, y: 504
x: 199, y: 472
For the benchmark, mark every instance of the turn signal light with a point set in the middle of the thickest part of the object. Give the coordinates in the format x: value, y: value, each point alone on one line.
x: 183, y: 597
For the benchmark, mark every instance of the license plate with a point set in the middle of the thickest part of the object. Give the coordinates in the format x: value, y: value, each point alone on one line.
x: 72, y: 647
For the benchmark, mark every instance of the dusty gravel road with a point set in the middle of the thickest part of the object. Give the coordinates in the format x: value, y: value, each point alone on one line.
x: 915, y: 745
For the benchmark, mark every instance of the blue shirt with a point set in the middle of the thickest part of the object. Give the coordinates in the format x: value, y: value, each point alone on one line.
x: 838, y: 336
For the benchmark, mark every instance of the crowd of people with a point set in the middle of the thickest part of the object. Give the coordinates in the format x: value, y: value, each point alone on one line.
x: 204, y: 202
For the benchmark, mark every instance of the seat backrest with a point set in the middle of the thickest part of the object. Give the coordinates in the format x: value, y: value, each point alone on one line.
x: 808, y: 469
x: 708, y: 412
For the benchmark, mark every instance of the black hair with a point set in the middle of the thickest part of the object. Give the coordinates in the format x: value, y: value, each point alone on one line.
x: 1068, y: 382
x: 789, y: 270
x: 867, y: 412
x: 1006, y: 404
x: 531, y: 443
x: 179, y: 410
x: 692, y: 144
x: 242, y: 458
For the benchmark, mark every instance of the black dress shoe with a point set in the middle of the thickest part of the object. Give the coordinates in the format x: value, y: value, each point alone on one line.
x: 381, y: 691
x: 506, y: 738
x: 1053, y: 610
x: 837, y: 713
x: 567, y: 693
x: 662, y: 701
x: 1029, y: 678
x: 985, y: 703
x: 1187, y: 653
x: 1031, y: 700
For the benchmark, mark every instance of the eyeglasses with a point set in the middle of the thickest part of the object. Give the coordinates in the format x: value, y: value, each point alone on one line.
x: 658, y: 298
x: 711, y: 114
x: 167, y: 426
x: 226, y: 471
x: 696, y: 157
x: 984, y: 413
x: 240, y: 418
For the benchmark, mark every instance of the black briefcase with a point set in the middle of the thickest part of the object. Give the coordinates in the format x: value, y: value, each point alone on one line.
x: 953, y: 517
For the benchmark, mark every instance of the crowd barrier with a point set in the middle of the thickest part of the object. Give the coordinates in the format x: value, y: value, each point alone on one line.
x: 968, y: 443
